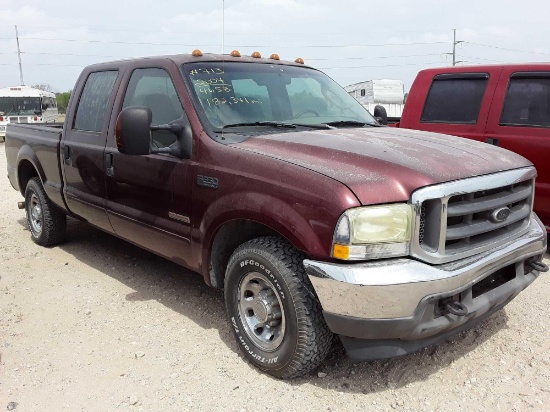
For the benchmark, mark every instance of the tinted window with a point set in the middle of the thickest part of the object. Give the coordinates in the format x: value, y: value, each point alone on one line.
x: 92, y: 107
x: 154, y: 88
x: 527, y: 103
x: 454, y: 100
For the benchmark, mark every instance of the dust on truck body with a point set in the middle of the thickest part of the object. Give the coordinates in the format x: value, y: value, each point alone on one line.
x: 278, y: 187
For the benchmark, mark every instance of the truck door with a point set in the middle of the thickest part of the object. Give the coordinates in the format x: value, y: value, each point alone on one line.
x: 455, y: 103
x: 83, y: 146
x: 148, y: 197
x: 520, y: 121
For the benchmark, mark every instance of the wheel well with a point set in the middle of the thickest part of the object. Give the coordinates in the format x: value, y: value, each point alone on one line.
x: 26, y: 172
x: 230, y: 236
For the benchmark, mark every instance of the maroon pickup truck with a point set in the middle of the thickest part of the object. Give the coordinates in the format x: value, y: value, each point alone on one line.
x: 272, y: 182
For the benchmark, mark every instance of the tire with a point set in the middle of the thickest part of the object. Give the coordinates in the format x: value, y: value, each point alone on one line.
x: 273, y: 309
x: 47, y: 223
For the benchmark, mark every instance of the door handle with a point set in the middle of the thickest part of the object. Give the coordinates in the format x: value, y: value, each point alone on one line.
x: 109, y: 168
x: 67, y: 155
x: 493, y: 141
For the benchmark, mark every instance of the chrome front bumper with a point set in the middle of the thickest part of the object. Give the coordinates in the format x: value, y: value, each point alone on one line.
x: 403, y: 289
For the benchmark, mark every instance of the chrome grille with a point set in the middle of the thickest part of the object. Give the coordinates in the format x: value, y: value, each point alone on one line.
x: 469, y: 216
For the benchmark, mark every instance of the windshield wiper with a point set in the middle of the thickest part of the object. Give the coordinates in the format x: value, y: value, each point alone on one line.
x: 353, y: 123
x: 264, y: 123
x: 279, y: 124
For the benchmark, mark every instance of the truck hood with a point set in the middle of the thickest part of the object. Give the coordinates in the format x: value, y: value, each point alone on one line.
x: 382, y: 165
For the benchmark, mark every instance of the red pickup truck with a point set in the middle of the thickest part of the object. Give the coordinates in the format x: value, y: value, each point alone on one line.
x: 504, y: 105
x: 275, y: 185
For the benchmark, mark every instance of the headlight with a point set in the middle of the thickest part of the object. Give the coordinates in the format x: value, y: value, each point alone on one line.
x: 373, y: 232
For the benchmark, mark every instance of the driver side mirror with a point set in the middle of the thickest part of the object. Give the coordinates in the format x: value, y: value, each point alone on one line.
x: 133, y: 133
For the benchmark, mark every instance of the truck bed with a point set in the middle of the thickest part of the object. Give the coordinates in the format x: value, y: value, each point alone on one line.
x: 38, y: 146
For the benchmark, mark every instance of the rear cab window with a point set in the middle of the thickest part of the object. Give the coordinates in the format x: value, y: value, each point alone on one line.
x: 455, y: 98
x: 527, y: 101
x: 92, y: 107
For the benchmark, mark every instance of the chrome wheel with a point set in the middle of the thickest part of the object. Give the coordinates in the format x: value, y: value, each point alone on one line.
x: 35, y: 214
x: 261, y: 311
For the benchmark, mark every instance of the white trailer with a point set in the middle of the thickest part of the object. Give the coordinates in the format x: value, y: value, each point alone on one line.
x: 384, y: 92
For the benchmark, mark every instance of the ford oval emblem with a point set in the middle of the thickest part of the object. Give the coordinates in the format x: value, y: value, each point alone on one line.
x: 500, y: 214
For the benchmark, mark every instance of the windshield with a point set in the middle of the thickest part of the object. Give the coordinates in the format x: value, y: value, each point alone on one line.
x: 19, y: 105
x: 235, y: 93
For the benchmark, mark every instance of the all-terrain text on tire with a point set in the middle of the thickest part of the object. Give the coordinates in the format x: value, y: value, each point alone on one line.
x: 273, y: 309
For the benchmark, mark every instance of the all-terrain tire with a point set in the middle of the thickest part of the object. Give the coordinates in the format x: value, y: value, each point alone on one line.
x: 266, y: 284
x: 47, y: 223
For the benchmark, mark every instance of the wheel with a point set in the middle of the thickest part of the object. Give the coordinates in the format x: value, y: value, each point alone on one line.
x: 316, y: 113
x: 47, y: 223
x: 273, y: 308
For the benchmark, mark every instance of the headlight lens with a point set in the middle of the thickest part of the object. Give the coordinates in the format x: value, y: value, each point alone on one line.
x: 373, y: 232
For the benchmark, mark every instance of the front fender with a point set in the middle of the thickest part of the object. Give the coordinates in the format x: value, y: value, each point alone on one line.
x: 309, y: 228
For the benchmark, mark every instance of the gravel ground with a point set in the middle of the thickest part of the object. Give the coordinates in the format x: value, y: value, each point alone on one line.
x: 97, y: 324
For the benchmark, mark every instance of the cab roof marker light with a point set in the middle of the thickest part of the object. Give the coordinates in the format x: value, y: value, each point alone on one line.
x: 196, y: 53
x: 235, y: 53
x: 299, y: 60
x: 256, y: 55
x: 274, y: 56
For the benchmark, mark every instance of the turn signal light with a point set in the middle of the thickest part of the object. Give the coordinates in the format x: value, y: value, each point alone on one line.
x: 340, y: 252
x: 299, y: 60
x: 196, y: 53
x: 256, y: 55
x: 235, y: 53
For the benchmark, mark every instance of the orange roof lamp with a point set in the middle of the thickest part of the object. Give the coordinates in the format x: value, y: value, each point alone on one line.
x: 274, y: 56
x: 299, y: 60
x: 235, y: 53
x: 196, y: 53
x: 256, y: 55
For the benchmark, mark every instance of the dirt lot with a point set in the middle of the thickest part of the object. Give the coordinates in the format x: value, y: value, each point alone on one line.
x: 99, y: 325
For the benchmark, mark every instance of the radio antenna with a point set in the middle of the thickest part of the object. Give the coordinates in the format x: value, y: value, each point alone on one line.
x: 19, y: 55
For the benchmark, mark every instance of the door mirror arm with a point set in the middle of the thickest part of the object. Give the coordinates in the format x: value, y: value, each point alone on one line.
x: 182, y: 129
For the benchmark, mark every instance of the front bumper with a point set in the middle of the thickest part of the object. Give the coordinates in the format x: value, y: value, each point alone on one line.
x: 395, y: 306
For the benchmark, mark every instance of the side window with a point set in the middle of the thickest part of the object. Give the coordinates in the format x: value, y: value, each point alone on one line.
x: 92, y: 106
x: 527, y: 102
x: 452, y: 99
x: 153, y: 88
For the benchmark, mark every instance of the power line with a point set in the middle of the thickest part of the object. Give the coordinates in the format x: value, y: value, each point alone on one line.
x: 371, y: 66
x: 505, y: 48
x: 241, y: 45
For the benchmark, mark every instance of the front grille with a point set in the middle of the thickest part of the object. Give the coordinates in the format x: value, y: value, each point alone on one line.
x: 465, y: 217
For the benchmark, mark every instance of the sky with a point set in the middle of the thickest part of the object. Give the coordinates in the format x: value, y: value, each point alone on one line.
x: 350, y: 40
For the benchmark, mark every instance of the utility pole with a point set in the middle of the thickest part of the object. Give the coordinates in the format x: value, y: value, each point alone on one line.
x: 454, y: 48
x: 19, y: 55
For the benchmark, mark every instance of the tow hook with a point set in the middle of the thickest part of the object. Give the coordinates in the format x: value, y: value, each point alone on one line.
x: 456, y: 308
x: 540, y: 266
x: 21, y: 205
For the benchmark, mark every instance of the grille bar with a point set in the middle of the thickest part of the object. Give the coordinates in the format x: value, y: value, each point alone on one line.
x: 489, y: 202
x: 464, y: 230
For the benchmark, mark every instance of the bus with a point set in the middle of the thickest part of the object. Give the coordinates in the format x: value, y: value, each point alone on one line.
x: 22, y: 104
